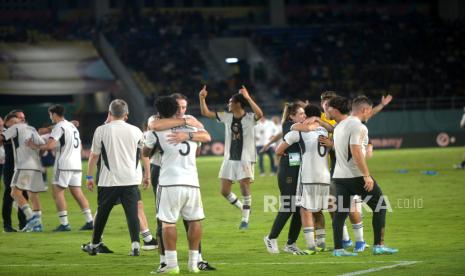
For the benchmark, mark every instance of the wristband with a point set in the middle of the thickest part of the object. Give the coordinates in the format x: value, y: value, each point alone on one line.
x: 89, y: 177
x: 366, y: 176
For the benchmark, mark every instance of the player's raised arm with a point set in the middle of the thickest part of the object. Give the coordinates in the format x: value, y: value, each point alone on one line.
x: 255, y: 108
x: 203, y: 104
x: 385, y: 100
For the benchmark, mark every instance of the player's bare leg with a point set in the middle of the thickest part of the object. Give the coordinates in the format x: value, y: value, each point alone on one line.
x: 32, y: 220
x: 194, y: 234
x: 355, y: 217
x: 226, y: 185
x: 247, y: 202
x: 320, y: 231
x: 62, y: 207
x: 81, y: 199
x: 308, y: 229
x: 169, y: 239
x: 149, y: 242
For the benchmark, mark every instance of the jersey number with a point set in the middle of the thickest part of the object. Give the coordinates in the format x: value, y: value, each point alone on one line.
x: 76, y: 140
x: 188, y: 149
x: 321, y: 149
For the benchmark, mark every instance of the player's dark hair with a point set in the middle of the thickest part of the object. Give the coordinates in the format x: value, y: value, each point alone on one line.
x: 239, y: 98
x: 291, y: 109
x: 327, y: 95
x: 361, y: 100
x: 14, y: 111
x: 342, y: 104
x: 166, y: 106
x: 179, y: 96
x: 312, y: 110
x: 57, y: 109
x: 10, y: 115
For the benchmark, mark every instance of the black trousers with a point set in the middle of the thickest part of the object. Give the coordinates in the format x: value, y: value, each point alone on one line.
x: 106, y: 199
x: 287, y: 182
x: 346, y: 188
x: 7, y: 204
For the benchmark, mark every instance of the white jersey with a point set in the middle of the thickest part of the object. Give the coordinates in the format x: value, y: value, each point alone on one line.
x: 348, y: 132
x: 178, y: 161
x: 68, y: 146
x: 314, y: 167
x: 150, y: 141
x: 263, y: 132
x: 462, y: 122
x: 25, y: 157
x: 119, y: 145
x: 239, y: 136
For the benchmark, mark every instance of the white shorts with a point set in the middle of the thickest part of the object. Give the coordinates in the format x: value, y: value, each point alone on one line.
x: 313, y: 197
x: 173, y: 201
x: 28, y: 180
x: 236, y: 170
x: 67, y: 178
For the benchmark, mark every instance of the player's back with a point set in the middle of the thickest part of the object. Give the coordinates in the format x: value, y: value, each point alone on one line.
x: 25, y: 157
x: 68, y: 148
x: 348, y: 132
x: 178, y: 161
x: 314, y: 167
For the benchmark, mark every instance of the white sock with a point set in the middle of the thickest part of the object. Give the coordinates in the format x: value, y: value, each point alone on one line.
x: 345, y: 233
x: 309, y: 236
x: 358, y: 231
x: 193, y: 259
x: 171, y: 258
x: 320, y: 236
x: 87, y: 215
x: 162, y: 259
x: 38, y: 213
x: 27, y: 211
x: 246, y: 208
x: 200, y: 258
x: 232, y: 198
x: 135, y: 245
x: 146, y: 235
x: 63, y: 216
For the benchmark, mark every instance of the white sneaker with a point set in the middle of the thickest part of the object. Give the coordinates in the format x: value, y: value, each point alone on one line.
x: 163, y: 269
x: 271, y: 245
x: 293, y: 249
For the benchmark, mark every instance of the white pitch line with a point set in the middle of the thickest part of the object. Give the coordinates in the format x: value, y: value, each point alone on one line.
x: 405, y: 263
x: 218, y: 263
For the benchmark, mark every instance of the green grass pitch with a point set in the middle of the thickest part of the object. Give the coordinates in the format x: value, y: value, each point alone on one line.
x: 427, y: 225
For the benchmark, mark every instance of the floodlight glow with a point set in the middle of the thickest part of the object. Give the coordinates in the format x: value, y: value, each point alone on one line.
x: 232, y: 60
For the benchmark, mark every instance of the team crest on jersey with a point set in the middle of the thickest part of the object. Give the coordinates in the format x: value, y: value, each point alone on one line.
x: 236, y: 134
